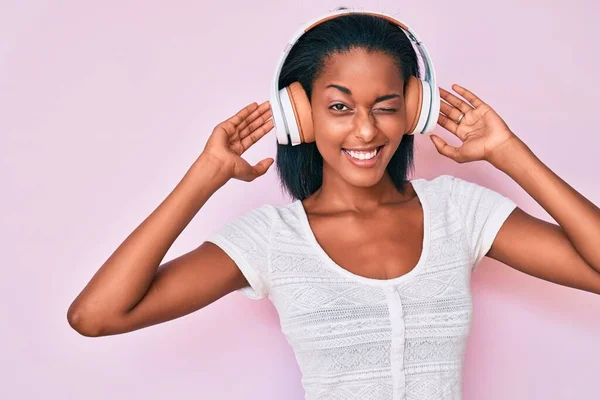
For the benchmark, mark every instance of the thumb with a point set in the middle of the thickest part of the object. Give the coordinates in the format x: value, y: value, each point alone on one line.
x: 444, y: 148
x: 262, y: 166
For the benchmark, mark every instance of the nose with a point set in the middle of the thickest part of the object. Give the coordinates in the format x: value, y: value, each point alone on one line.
x: 365, y: 125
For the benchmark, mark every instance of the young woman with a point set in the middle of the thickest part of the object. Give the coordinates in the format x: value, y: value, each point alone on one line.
x: 368, y: 270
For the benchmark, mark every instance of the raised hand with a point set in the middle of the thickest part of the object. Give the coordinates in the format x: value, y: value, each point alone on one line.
x: 232, y: 137
x: 481, y: 129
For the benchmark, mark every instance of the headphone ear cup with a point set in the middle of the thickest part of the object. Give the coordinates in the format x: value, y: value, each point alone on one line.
x: 413, y: 103
x: 302, y: 112
x: 432, y: 106
x: 297, y: 115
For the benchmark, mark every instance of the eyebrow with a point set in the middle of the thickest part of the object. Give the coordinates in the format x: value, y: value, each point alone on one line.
x: 377, y: 100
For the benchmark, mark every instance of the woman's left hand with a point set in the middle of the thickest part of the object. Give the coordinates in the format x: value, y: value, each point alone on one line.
x: 481, y: 130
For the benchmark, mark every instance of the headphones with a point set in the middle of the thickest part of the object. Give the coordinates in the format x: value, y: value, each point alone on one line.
x: 291, y: 109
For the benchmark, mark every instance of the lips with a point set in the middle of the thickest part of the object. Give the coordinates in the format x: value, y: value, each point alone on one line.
x: 363, y: 151
x: 366, y: 163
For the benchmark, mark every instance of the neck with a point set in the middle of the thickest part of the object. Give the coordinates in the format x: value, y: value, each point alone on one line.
x: 336, y: 194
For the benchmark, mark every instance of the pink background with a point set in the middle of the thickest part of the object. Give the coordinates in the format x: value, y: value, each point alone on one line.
x: 105, y: 105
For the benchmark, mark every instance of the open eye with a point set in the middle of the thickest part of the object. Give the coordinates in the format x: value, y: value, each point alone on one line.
x: 337, y: 104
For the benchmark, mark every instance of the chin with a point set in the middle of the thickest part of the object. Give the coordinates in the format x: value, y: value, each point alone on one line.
x: 361, y: 177
x: 364, y: 180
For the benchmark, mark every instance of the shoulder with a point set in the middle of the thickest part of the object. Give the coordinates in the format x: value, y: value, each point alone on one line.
x: 462, y: 194
x: 250, y: 224
x: 442, y: 184
x: 262, y: 214
x: 267, y: 215
x: 449, y: 184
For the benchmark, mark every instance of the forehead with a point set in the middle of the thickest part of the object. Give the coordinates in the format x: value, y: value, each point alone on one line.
x: 359, y: 67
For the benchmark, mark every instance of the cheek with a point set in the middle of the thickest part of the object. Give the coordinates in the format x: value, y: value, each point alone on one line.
x: 331, y: 127
x: 330, y: 133
x: 393, y: 123
x: 328, y: 147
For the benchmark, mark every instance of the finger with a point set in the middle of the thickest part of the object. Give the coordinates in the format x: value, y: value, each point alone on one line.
x: 455, y: 101
x: 448, y: 120
x: 447, y: 123
x: 243, y: 113
x: 255, y: 136
x: 257, y: 123
x: 471, y: 98
x: 250, y: 116
x: 451, y: 112
x: 260, y: 110
x: 252, y: 121
x: 445, y: 149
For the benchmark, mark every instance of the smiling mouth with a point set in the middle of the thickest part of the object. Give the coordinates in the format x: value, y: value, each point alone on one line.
x: 363, y: 155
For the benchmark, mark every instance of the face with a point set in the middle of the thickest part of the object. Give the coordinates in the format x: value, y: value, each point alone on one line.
x: 358, y: 104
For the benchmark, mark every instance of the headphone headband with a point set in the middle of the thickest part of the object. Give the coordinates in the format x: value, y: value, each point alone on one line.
x: 280, y: 122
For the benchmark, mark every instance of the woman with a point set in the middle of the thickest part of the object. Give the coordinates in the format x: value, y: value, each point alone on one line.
x: 368, y: 271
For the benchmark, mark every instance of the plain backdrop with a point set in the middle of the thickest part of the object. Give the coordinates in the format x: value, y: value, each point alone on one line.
x: 105, y: 105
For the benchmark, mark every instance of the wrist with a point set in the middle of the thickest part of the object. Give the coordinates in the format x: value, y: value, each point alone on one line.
x: 210, y: 169
x: 511, y: 151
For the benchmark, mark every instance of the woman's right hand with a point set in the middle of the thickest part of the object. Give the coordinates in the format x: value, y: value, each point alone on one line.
x: 232, y: 137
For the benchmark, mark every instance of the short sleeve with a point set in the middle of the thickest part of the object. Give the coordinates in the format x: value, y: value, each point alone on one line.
x: 483, y: 211
x: 246, y: 240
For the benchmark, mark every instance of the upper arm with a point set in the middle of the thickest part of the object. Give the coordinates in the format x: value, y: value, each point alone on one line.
x: 236, y: 257
x: 543, y: 250
x: 181, y: 286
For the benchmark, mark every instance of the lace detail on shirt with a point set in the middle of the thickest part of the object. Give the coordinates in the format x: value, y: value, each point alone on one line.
x: 369, y: 339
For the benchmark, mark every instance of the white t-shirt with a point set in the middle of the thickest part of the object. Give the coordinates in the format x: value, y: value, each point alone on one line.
x: 371, y: 339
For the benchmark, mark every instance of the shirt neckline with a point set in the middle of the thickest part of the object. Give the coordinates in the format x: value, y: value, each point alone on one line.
x: 416, y: 184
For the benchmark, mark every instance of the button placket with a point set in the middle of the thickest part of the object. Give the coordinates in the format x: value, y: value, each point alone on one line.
x: 397, y: 348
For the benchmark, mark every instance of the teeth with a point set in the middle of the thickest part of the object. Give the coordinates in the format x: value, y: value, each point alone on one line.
x: 361, y: 155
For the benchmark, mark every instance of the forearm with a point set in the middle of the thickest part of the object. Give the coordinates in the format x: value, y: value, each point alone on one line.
x: 126, y: 275
x: 578, y: 217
